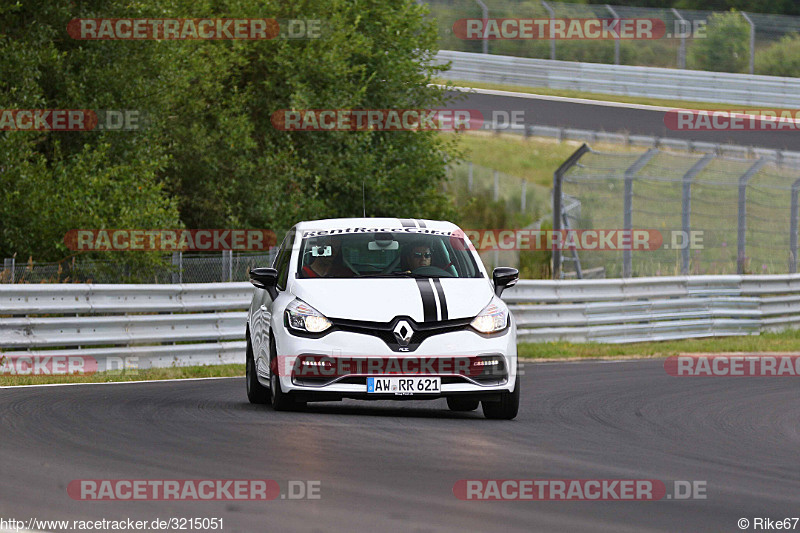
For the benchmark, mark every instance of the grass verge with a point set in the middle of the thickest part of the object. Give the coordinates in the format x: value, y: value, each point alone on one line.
x: 569, y: 93
x: 534, y: 158
x: 785, y: 341
x: 150, y: 374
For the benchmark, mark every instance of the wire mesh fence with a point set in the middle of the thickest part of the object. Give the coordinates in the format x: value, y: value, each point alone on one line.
x: 488, y: 199
x: 175, y: 268
x: 713, y: 214
x: 681, y: 28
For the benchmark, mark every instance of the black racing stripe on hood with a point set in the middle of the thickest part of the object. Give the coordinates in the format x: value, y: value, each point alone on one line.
x: 428, y: 300
x: 442, y: 299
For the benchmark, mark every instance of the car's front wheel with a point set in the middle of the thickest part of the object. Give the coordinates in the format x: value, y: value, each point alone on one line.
x: 256, y: 392
x: 507, y: 408
x: 280, y: 400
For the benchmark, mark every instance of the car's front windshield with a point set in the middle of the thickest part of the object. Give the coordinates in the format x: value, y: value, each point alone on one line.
x: 340, y: 254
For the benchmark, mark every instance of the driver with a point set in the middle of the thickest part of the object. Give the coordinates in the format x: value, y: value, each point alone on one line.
x: 417, y: 256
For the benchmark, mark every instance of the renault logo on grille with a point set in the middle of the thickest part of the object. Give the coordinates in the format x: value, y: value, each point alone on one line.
x: 403, y: 332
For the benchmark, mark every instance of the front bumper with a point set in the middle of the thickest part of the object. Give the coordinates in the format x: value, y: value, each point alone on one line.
x: 437, y: 350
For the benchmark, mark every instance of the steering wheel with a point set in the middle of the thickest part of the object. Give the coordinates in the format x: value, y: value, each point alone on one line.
x: 432, y: 271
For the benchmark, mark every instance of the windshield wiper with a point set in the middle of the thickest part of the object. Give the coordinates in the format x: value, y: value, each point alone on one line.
x: 395, y: 275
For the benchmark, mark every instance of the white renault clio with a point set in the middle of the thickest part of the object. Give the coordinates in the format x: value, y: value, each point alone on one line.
x: 381, y: 309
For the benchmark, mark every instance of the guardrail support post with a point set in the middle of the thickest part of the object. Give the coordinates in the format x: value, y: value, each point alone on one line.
x: 627, y: 214
x: 741, y: 237
x: 552, y: 39
x: 558, y: 176
x: 616, y: 40
x: 686, y: 208
x: 793, y: 229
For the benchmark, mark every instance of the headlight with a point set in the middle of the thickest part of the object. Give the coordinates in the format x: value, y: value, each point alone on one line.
x: 303, y: 317
x: 494, y: 317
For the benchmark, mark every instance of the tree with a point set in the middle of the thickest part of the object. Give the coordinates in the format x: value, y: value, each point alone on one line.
x: 210, y: 156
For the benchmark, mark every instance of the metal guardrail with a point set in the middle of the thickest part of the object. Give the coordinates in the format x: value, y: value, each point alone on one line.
x: 787, y: 158
x: 650, y: 82
x: 653, y: 309
x: 160, y: 325
x: 169, y: 325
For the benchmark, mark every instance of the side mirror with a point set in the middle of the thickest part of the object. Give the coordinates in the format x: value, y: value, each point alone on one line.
x: 265, y: 278
x: 504, y: 277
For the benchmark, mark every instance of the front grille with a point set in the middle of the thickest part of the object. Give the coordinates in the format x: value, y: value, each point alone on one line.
x: 385, y: 330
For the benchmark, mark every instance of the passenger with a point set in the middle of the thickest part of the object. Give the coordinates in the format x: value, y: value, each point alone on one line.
x: 328, y: 266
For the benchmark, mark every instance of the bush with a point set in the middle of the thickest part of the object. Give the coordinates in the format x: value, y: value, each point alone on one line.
x: 780, y: 59
x: 726, y: 46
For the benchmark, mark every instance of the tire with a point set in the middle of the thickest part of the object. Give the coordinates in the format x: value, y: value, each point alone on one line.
x: 507, y: 408
x: 456, y: 403
x: 279, y: 399
x: 256, y: 392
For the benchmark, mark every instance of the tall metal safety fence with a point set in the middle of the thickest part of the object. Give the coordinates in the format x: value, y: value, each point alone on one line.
x: 177, y: 267
x: 715, y: 214
x: 490, y: 199
x: 671, y: 51
x: 142, y: 326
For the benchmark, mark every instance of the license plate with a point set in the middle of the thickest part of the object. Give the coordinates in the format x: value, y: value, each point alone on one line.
x: 404, y: 385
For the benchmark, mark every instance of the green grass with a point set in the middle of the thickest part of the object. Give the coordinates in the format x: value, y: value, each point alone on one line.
x: 534, y: 159
x: 785, y: 341
x: 678, y: 104
x: 150, y: 374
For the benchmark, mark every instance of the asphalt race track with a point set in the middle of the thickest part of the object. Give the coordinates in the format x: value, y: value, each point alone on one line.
x: 637, y: 120
x: 391, y: 467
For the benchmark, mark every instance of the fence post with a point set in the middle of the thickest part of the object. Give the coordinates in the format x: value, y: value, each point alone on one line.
x: 227, y: 265
x: 627, y: 214
x: 485, y: 15
x: 742, y: 214
x: 176, y: 276
x: 9, y: 264
x: 552, y: 38
x: 524, y: 195
x: 752, y: 42
x: 469, y: 177
x: 496, y: 186
x: 682, y: 47
x: 686, y: 208
x: 558, y: 175
x: 793, y: 229
x: 616, y: 39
